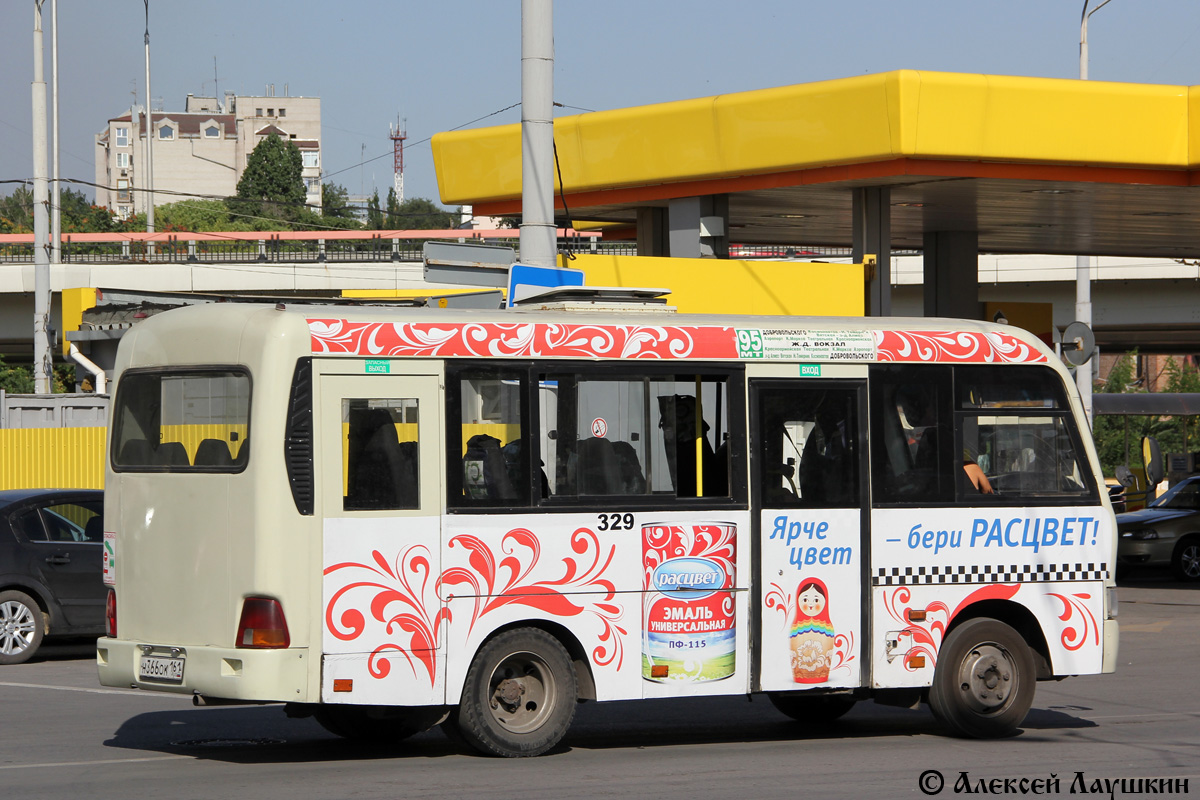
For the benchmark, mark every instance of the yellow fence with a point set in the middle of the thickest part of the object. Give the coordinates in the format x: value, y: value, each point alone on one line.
x: 69, y: 458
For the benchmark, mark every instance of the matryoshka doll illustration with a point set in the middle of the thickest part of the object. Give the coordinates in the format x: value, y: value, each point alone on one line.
x: 812, y: 633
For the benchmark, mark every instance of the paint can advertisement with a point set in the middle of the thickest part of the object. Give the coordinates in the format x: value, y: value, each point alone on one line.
x: 688, y: 623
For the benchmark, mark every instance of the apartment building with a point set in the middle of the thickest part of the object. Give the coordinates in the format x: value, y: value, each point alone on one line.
x: 200, y: 152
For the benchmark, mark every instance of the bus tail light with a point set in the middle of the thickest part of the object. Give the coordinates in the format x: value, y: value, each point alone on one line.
x: 262, y: 624
x: 110, y: 614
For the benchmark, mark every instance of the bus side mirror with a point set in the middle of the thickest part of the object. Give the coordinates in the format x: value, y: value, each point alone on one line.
x: 1152, y: 458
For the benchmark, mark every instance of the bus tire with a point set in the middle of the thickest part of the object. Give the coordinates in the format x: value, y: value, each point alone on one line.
x: 366, y: 724
x: 816, y: 709
x: 519, y: 695
x: 984, y: 680
x: 22, y: 626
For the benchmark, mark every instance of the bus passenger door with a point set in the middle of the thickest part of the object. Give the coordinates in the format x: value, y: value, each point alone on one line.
x: 809, y: 479
x: 380, y: 488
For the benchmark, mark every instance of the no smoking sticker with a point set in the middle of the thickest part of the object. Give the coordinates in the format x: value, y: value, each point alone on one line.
x: 599, y: 428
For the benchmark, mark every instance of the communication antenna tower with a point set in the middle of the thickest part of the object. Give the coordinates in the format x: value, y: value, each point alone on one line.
x: 398, y: 135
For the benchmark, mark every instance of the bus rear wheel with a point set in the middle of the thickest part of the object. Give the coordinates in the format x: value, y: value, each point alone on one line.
x: 816, y: 709
x: 984, y: 681
x: 519, y: 695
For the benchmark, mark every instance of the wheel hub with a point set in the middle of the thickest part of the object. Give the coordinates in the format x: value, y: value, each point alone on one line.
x: 509, y: 692
x: 1190, y: 561
x: 985, y: 678
x: 522, y: 692
x: 17, y: 630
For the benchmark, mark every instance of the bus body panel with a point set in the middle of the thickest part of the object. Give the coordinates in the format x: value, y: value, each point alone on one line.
x: 381, y: 614
x: 189, y: 547
x: 380, y: 639
x: 939, y: 561
x: 807, y: 646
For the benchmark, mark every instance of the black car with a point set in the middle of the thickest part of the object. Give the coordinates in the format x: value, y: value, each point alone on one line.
x: 1164, y: 533
x: 51, y: 568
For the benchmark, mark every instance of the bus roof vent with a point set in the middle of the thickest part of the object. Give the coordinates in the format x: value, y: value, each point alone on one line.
x: 593, y: 298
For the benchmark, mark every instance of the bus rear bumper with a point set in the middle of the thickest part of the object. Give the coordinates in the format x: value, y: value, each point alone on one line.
x: 1112, y: 640
x: 233, y: 674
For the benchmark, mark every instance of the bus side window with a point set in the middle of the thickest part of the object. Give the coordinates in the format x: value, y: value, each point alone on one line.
x: 809, y: 441
x: 1015, y: 424
x: 912, y: 434
x: 488, y: 460
x: 382, y: 459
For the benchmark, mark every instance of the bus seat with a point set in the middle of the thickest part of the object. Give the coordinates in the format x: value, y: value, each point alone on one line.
x: 408, y: 470
x: 632, y: 479
x: 213, y: 453
x: 599, y: 470
x: 485, y: 473
x: 375, y: 469
x: 171, y: 454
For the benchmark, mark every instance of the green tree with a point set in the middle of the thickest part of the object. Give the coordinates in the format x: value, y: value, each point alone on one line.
x: 1109, y: 432
x: 391, y: 213
x: 199, y: 216
x: 335, y: 202
x: 79, y: 215
x: 15, y: 380
x: 374, y: 214
x: 271, y: 185
x: 16, y: 211
x: 419, y: 213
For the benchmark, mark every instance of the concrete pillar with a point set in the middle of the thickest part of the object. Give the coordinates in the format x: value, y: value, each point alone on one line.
x: 952, y: 274
x: 871, y: 232
x: 698, y: 227
x: 651, y: 232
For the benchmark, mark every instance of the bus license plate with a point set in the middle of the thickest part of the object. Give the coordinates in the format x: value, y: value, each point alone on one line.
x: 164, y: 670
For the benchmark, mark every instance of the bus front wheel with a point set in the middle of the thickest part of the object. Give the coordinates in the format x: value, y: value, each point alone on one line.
x: 984, y: 680
x: 519, y: 696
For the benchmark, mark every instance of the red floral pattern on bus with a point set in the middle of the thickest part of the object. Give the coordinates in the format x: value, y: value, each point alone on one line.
x: 954, y: 346
x: 1076, y: 634
x: 926, y: 635
x: 401, y: 596
x: 398, y: 595
x: 497, y: 582
x: 520, y: 339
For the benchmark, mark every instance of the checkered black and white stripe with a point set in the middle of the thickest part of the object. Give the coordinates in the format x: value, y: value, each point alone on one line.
x: 1000, y: 573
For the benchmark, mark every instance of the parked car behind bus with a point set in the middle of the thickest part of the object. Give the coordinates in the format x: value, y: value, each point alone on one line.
x: 1165, y: 533
x: 51, y: 568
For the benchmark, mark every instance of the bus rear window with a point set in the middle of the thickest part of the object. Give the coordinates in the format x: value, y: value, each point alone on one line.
x: 182, y: 421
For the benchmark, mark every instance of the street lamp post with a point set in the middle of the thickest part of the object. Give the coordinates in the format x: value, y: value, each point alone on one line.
x: 150, y: 139
x: 41, y: 217
x: 1083, y: 264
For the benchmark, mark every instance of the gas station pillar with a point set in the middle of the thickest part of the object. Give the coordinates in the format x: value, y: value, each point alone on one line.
x: 871, y: 233
x: 698, y: 227
x: 952, y: 274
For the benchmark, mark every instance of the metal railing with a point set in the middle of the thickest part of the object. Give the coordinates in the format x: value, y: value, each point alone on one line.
x: 316, y: 247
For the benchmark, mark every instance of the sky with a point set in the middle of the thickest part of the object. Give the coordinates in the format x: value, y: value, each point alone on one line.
x: 445, y: 65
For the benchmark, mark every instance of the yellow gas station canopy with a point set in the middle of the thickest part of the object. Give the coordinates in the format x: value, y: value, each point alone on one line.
x: 1033, y: 164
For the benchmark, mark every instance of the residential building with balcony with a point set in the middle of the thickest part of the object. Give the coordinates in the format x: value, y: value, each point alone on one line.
x: 201, y: 152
